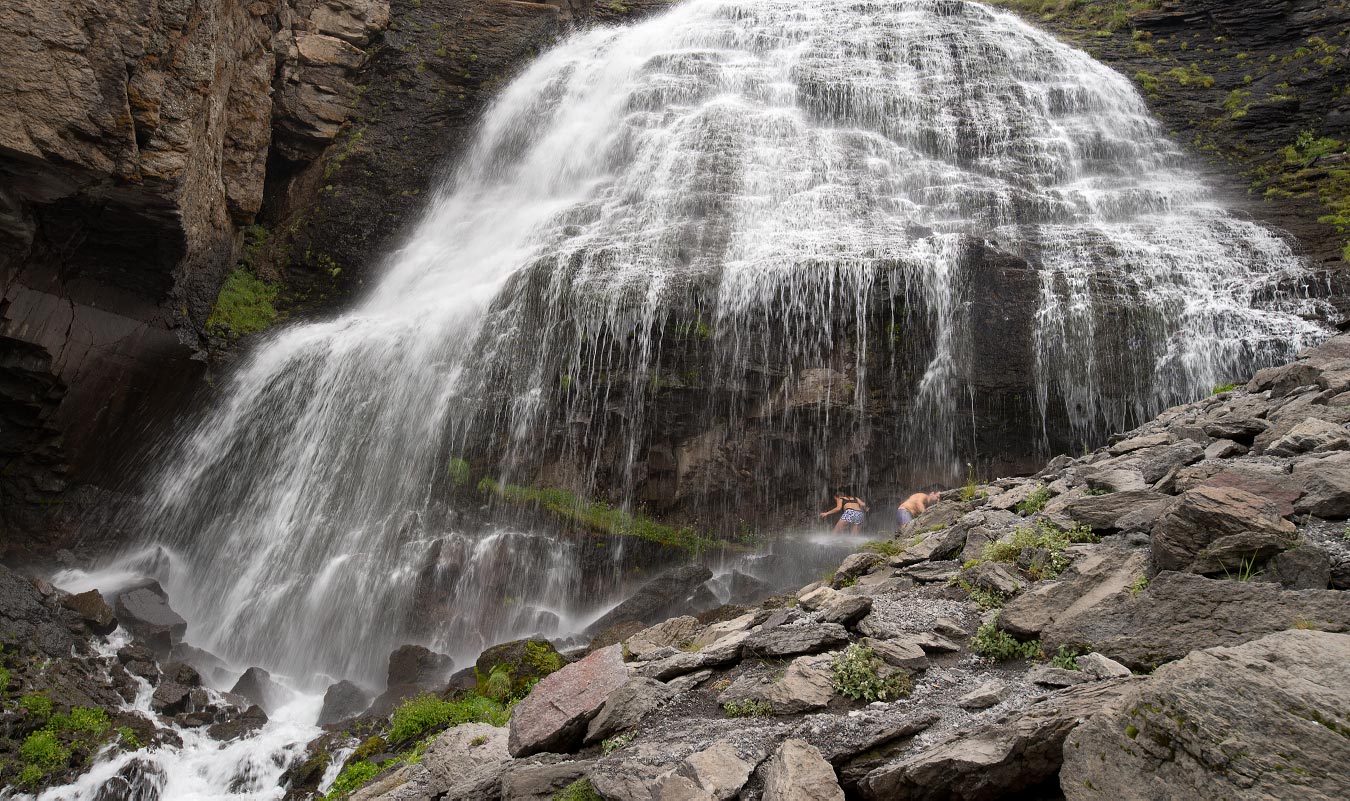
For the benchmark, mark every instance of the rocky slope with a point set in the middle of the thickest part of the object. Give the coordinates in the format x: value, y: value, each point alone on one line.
x: 1169, y: 611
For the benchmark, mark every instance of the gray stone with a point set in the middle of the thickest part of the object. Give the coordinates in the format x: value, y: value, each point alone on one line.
x: 684, y: 684
x: 1310, y: 436
x: 1306, y: 567
x: 1261, y: 720
x: 935, y: 546
x: 1154, y: 463
x: 805, y: 686
x: 676, y: 631
x: 1138, y: 443
x: 718, y: 770
x: 934, y: 572
x: 463, y: 763
x: 93, y: 610
x: 554, y: 716
x: 1020, y: 750
x: 1099, y: 573
x: 1279, y: 380
x: 539, y: 779
x: 626, y: 707
x: 853, y: 566
x: 995, y: 577
x: 1224, y: 449
x: 1051, y: 676
x: 1182, y: 612
x: 1216, y: 529
x: 1236, y: 429
x: 1324, y: 483
x: 986, y: 695
x: 816, y: 598
x: 654, y: 599
x: 901, y: 653
x: 1101, y: 667
x: 933, y: 643
x: 717, y: 631
x: 1102, y: 512
x: 846, y: 610
x: 798, y: 772
x: 1114, y: 479
x: 808, y: 638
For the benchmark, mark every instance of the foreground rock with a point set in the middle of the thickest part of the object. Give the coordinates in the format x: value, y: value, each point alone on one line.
x: 1214, y: 529
x: 1017, y: 751
x: 1180, y: 613
x: 655, y: 599
x: 798, y: 772
x: 145, y: 611
x: 554, y: 716
x: 1266, y: 719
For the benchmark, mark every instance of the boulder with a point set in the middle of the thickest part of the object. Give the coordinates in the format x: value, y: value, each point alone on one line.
x: 1103, y: 512
x: 804, y: 687
x: 93, y: 610
x: 1113, y: 478
x: 1235, y: 428
x: 1182, y: 612
x: 1324, y: 485
x: 626, y: 707
x: 554, y: 716
x: 651, y: 767
x: 419, y: 666
x: 900, y: 652
x: 1138, y: 443
x: 846, y: 610
x: 251, y: 720
x: 932, y: 643
x: 718, y: 770
x: 817, y: 597
x: 25, y: 623
x: 1020, y: 750
x: 934, y: 572
x: 171, y: 698
x: 1100, y: 573
x: 463, y: 763
x: 214, y: 671
x: 853, y: 566
x: 1269, y: 481
x: 146, y: 613
x: 257, y: 686
x: 1266, y: 719
x: 675, y: 632
x: 654, y: 599
x: 807, y: 638
x: 986, y: 695
x: 182, y: 673
x: 1281, y: 379
x: 342, y: 701
x: 529, y: 660
x: 1051, y: 676
x: 995, y: 577
x: 1101, y: 667
x: 541, y: 778
x: 798, y: 772
x: 1305, y: 567
x: 1224, y: 449
x: 726, y: 628
x: 1310, y: 436
x: 745, y: 588
x: 1214, y: 529
x: 943, y: 543
x: 1156, y: 462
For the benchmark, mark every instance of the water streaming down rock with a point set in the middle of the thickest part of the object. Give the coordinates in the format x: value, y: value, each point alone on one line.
x: 710, y: 263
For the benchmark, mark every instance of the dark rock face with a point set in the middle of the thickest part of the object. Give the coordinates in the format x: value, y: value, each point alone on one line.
x: 342, y: 701
x: 24, y: 620
x: 413, y: 669
x: 527, y: 660
x: 145, y: 611
x: 257, y: 686
x: 95, y: 611
x: 1213, y: 529
x: 653, y: 601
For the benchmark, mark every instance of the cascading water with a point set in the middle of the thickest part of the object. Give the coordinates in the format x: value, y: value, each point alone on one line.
x: 735, y: 249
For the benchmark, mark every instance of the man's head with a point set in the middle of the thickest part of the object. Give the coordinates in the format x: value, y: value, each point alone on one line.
x: 933, y: 497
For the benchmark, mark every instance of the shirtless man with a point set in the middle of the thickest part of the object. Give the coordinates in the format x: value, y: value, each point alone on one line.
x: 915, y: 505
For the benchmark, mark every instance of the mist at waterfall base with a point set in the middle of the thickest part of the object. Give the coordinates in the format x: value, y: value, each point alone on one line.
x: 731, y: 251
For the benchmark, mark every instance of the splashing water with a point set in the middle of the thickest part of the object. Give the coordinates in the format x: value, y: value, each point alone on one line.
x: 762, y: 240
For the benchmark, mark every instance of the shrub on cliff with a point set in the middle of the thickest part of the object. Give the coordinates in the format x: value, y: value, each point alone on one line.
x: 858, y: 673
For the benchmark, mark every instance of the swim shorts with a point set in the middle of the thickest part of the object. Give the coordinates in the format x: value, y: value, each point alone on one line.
x: 903, y: 516
x: 853, y: 517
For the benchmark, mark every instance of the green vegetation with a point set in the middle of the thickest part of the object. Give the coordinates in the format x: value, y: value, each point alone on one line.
x: 1190, y: 77
x: 1246, y: 570
x: 971, y: 490
x: 459, y: 472
x: 1304, y: 171
x: 81, y: 720
x: 244, y: 305
x: 496, y: 685
x: 600, y: 517
x: 992, y: 643
x: 858, y: 673
x: 37, y: 705
x: 352, y: 778
x: 42, y: 755
x: 4, y: 680
x: 129, y: 739
x: 1066, y: 658
x: 579, y: 790
x: 1223, y: 388
x: 1042, y: 535
x: 417, y: 716
x: 1098, y: 16
x: 616, y: 742
x: 1034, y: 502
x: 884, y: 547
x: 749, y: 708
x: 541, y: 658
x: 1139, y: 585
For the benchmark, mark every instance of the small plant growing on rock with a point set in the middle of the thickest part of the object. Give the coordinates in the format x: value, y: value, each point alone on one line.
x: 617, y: 741
x: 42, y: 754
x: 992, y: 643
x: 579, y: 790
x: 1246, y: 570
x: 497, y: 684
x: 1034, y: 502
x: 985, y: 599
x: 857, y: 673
x: 1139, y: 585
x: 416, y: 716
x: 1223, y: 388
x: 37, y: 705
x: 4, y: 680
x: 352, y: 778
x: 749, y: 708
x: 1065, y: 658
x: 129, y: 739
x: 884, y: 547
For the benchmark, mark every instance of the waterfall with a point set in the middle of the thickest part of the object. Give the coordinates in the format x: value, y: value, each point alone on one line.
x: 710, y: 263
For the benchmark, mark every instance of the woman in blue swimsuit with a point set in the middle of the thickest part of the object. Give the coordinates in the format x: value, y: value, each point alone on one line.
x: 853, y: 508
